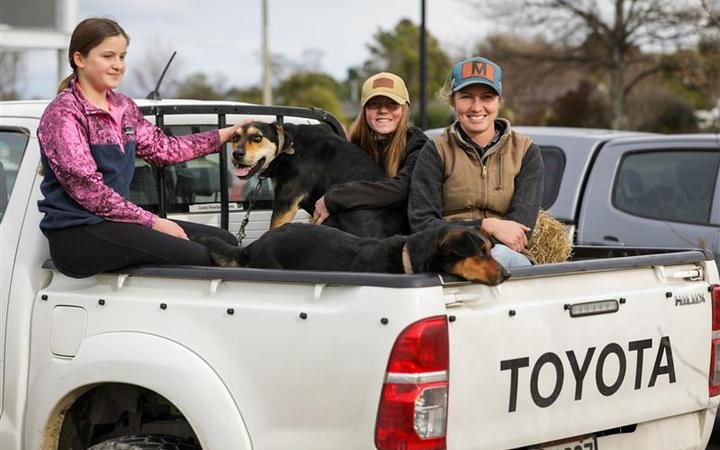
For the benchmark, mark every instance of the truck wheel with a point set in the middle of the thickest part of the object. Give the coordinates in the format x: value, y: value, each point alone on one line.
x: 146, y: 442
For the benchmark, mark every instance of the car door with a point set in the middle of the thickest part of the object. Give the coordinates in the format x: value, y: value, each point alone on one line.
x: 658, y: 192
x: 17, y: 139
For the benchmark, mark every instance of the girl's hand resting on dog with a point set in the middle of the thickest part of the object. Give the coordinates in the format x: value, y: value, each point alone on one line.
x: 508, y: 232
x: 321, y: 213
x: 227, y: 133
x: 169, y: 227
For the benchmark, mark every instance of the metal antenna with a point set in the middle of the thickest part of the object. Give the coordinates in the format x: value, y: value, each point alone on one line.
x: 155, y: 94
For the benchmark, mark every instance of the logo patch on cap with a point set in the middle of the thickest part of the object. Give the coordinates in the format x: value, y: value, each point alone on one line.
x: 383, y: 83
x: 477, y: 69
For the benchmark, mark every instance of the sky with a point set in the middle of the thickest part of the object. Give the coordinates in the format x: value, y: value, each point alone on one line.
x: 223, y: 38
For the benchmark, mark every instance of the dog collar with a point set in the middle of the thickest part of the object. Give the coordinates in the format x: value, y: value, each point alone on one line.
x: 407, y: 265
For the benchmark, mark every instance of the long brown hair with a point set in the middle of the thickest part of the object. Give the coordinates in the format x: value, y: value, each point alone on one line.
x: 87, y: 35
x: 362, y: 135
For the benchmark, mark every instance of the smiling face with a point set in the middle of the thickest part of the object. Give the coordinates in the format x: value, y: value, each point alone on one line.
x: 104, y: 65
x: 383, y: 115
x: 254, y: 146
x: 476, y: 108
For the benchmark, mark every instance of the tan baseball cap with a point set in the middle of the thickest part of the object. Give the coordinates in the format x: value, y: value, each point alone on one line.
x: 387, y: 84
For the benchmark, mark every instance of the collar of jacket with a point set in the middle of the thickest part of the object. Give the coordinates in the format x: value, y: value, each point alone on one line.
x: 88, y: 107
x: 502, y: 134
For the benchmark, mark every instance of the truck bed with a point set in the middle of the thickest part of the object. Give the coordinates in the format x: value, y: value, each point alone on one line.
x: 524, y: 371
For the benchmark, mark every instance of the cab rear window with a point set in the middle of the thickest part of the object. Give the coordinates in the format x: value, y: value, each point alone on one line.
x: 194, y: 186
x: 554, y: 162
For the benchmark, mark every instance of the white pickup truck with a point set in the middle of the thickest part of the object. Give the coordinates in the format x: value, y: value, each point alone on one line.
x: 613, y: 350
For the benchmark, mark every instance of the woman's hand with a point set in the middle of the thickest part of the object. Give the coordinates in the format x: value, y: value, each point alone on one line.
x: 508, y: 232
x: 169, y: 227
x: 321, y: 213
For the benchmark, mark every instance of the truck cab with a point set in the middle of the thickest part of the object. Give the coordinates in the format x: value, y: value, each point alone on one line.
x: 632, y: 189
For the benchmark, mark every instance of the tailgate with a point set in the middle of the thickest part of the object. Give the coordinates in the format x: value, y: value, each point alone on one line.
x: 524, y: 371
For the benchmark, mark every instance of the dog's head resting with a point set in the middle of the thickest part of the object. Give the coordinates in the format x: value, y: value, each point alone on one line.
x: 461, y: 251
x: 256, y: 144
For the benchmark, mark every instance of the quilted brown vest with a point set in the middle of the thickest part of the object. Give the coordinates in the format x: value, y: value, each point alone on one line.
x: 475, y: 188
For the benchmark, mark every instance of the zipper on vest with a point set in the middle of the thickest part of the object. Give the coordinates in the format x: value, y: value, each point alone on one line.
x: 484, y: 169
x: 500, y: 173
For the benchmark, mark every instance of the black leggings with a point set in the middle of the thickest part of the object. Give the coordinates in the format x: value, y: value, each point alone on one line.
x: 86, y: 250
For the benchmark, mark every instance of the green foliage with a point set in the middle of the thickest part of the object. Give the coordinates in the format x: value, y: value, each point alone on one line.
x: 249, y: 95
x: 198, y: 86
x: 311, y: 89
x: 668, y: 112
x: 398, y: 51
x: 438, y: 115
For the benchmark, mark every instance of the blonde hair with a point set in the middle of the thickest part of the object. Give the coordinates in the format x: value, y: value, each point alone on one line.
x: 87, y: 35
x: 362, y: 135
x: 446, y: 95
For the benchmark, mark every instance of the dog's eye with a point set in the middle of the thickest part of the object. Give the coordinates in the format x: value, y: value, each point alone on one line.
x: 235, y: 138
x: 256, y: 138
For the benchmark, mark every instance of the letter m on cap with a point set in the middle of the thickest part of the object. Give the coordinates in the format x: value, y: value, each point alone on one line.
x: 476, y: 69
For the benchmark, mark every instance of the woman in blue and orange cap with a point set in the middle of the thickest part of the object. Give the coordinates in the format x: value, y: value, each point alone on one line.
x: 479, y: 170
x: 383, y: 131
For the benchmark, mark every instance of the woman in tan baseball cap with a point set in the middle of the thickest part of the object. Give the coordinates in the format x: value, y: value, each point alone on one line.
x: 383, y: 131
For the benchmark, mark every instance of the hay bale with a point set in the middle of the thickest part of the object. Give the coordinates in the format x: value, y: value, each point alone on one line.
x: 551, y: 242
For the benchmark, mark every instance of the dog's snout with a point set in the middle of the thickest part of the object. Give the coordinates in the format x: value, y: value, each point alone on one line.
x: 238, y: 154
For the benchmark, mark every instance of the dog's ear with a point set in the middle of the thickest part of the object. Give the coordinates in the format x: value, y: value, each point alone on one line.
x: 464, y: 243
x: 285, y: 141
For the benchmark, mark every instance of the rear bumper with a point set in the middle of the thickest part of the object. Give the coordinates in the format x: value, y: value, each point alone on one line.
x: 689, y: 431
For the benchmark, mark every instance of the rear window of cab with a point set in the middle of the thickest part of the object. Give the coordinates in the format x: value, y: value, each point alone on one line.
x: 194, y: 186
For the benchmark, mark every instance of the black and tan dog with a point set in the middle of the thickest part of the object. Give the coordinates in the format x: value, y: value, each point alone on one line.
x: 303, y: 161
x: 457, y: 250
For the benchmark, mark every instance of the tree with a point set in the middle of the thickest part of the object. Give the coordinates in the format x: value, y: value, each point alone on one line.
x: 251, y: 94
x: 397, y: 51
x: 580, y: 107
x: 11, y: 67
x: 530, y: 86
x: 311, y: 89
x: 603, y: 35
x: 199, y: 86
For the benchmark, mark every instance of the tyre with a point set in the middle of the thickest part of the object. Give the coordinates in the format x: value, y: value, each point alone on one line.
x: 146, y: 442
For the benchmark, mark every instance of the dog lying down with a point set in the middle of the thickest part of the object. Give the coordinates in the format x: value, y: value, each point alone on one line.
x: 457, y: 250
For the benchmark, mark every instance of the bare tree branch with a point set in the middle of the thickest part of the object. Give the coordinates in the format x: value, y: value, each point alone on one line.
x: 641, y: 76
x: 603, y: 37
x: 713, y: 15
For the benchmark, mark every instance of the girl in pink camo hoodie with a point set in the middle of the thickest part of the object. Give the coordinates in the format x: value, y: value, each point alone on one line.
x: 89, y: 137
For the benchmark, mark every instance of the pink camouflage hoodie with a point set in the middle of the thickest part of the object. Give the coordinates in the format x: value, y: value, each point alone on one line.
x: 88, y: 157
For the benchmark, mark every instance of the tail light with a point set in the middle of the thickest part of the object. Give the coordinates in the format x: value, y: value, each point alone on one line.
x: 413, y: 407
x: 714, y: 382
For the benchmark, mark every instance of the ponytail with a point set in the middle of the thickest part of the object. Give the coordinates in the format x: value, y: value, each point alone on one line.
x: 65, y: 83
